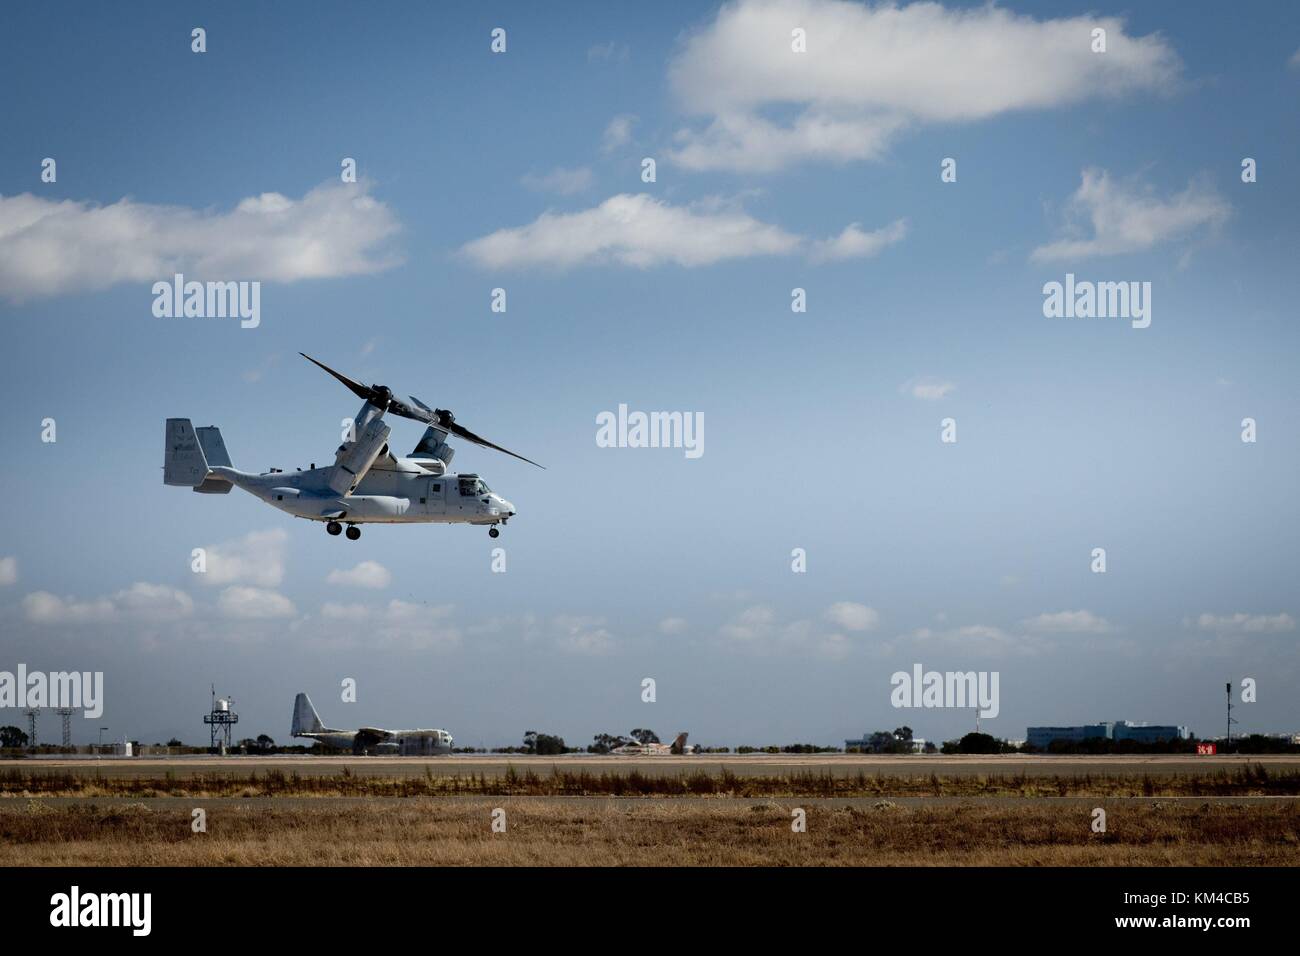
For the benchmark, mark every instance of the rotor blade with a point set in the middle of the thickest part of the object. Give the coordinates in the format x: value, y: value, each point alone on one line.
x: 421, y: 414
x: 400, y: 408
x: 359, y: 390
x: 468, y: 435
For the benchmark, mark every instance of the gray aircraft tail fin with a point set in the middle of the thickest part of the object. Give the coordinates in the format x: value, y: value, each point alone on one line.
x: 183, y: 462
x: 305, y: 718
x: 192, y: 454
x: 214, y: 452
x: 214, y: 449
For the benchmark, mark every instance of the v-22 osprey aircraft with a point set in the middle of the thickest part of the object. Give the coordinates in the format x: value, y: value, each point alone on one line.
x: 366, y: 483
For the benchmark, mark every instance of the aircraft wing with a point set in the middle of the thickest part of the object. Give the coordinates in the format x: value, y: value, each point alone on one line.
x: 369, y: 736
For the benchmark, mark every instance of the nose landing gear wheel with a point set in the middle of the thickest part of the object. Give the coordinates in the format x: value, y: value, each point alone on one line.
x: 334, y: 527
x: 494, y: 532
x: 353, y: 532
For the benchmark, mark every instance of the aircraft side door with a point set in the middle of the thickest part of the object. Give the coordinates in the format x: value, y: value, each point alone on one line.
x: 432, y: 499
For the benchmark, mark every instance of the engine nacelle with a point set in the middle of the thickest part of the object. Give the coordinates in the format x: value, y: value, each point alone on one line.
x: 355, y: 459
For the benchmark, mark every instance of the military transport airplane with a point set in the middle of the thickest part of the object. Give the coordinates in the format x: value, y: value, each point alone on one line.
x: 367, y: 740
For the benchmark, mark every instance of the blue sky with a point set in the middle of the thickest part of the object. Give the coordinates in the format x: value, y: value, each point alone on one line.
x: 822, y: 428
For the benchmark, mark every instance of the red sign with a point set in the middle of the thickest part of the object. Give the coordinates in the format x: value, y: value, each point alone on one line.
x: 1206, y: 749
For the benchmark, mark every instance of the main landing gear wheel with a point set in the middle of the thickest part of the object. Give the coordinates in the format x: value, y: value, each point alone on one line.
x: 353, y: 532
x: 334, y: 527
x: 494, y: 532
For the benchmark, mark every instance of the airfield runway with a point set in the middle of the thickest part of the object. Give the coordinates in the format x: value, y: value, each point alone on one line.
x: 495, y: 765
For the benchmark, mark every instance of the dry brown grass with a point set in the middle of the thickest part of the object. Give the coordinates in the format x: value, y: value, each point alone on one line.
x: 690, y: 833
x: 1250, y: 780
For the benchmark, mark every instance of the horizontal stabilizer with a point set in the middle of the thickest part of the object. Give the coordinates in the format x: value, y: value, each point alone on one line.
x: 212, y: 485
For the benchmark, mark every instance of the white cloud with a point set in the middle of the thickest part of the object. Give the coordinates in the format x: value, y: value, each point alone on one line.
x: 141, y: 602
x: 1294, y: 62
x: 560, y: 180
x: 853, y: 243
x: 1241, y: 623
x: 871, y: 71
x: 618, y: 133
x: 42, y: 607
x: 398, y: 625
x: 672, y: 625
x: 408, y: 612
x: 834, y: 647
x: 978, y: 639
x: 748, y: 143
x: 8, y: 571
x: 634, y: 229
x: 582, y: 635
x: 1068, y: 622
x: 154, y: 602
x: 246, y: 603
x: 367, y: 574
x: 256, y: 558
x: 853, y: 617
x: 331, y: 611
x: 750, y: 624
x: 757, y: 629
x: 412, y: 626
x: 51, y: 247
x: 928, y: 389
x: 1123, y: 218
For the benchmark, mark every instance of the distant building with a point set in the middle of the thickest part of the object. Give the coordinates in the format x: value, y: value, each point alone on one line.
x: 1149, y: 733
x: 866, y: 745
x: 1041, y: 737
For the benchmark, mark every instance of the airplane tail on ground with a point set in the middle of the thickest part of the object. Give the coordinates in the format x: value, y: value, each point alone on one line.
x: 305, y: 718
x: 191, y: 454
x: 679, y: 745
